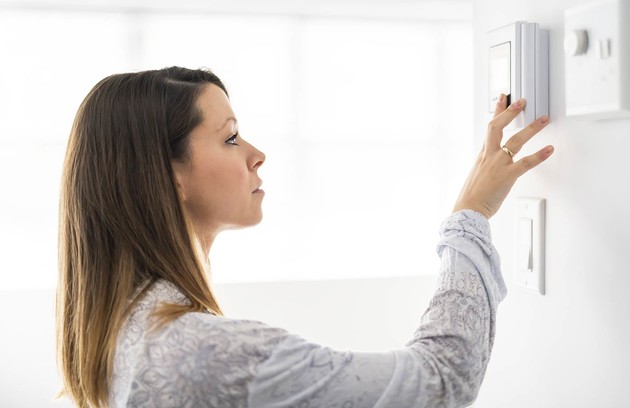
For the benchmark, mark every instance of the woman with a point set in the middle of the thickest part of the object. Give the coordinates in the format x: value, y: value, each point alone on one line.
x: 154, y: 170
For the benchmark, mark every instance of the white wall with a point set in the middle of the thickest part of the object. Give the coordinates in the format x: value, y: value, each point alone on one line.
x: 28, y: 374
x: 569, y: 347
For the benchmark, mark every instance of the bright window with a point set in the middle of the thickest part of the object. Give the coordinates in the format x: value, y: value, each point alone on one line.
x: 366, y: 124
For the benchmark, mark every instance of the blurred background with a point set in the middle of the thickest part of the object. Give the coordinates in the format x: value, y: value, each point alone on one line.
x: 363, y: 111
x: 363, y: 108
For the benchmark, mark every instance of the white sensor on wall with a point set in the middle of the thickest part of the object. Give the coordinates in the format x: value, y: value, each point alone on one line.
x: 519, y: 67
x: 597, y: 60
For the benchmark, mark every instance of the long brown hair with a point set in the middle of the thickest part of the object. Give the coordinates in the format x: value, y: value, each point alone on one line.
x: 122, y: 224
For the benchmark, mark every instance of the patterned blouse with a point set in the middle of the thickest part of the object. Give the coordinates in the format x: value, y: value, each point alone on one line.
x: 203, y: 360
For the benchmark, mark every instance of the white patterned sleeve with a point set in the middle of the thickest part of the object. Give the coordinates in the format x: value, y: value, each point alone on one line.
x: 442, y: 366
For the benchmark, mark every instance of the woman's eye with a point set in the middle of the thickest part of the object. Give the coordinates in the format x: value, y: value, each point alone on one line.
x: 232, y: 140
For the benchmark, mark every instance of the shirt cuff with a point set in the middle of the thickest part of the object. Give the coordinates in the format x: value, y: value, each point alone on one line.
x: 467, y: 231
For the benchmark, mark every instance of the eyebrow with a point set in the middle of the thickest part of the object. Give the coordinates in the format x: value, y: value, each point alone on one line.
x: 226, y: 122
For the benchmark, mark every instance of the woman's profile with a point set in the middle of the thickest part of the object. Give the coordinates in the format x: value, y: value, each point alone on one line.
x: 154, y: 170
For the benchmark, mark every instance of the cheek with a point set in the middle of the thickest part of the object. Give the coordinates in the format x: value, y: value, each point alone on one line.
x: 228, y: 177
x: 221, y: 183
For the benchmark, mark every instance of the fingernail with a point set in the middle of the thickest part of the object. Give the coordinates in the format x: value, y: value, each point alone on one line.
x: 543, y: 119
x: 517, y: 105
x: 501, y: 98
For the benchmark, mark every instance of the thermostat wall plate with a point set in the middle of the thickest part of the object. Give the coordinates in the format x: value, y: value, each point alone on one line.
x: 597, y: 60
x: 518, y: 66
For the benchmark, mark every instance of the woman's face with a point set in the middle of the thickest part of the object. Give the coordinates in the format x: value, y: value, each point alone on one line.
x: 219, y: 184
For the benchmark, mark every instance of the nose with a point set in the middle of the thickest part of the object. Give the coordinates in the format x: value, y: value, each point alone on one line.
x: 259, y: 158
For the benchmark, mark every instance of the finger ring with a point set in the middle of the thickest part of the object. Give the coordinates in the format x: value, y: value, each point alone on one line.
x: 508, y: 151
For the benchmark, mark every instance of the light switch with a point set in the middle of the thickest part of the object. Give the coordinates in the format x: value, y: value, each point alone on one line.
x: 529, y: 244
x: 524, y: 257
x: 597, y: 60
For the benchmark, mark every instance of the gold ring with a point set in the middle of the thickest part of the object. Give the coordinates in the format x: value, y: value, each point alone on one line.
x: 508, y: 151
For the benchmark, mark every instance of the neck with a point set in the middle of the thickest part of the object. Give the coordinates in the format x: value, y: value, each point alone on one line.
x: 205, y: 241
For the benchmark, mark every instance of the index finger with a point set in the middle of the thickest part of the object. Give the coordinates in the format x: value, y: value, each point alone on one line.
x: 496, y: 125
x: 501, y: 105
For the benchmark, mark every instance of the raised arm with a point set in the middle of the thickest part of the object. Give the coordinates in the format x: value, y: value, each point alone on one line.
x: 443, y: 365
x: 445, y: 362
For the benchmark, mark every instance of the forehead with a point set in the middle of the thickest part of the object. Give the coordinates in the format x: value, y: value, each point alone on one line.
x: 215, y: 107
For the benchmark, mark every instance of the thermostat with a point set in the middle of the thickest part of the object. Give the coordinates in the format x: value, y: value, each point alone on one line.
x: 597, y: 60
x: 518, y: 66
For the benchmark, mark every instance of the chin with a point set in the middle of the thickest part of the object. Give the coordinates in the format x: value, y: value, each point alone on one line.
x: 256, y: 219
x: 254, y: 222
x: 244, y: 224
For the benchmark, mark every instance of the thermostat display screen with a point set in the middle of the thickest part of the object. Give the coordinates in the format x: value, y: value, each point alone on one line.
x: 500, y: 81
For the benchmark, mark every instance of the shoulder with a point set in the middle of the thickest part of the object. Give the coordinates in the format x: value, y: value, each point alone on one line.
x: 216, y: 334
x: 198, y: 357
x: 201, y: 332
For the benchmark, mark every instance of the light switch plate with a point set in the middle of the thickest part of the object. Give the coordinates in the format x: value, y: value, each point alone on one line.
x: 529, y: 267
x: 597, y: 60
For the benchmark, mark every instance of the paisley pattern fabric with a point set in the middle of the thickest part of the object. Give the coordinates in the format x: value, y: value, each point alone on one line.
x: 202, y: 360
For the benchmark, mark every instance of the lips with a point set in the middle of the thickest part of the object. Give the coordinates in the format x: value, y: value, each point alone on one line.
x: 258, y: 189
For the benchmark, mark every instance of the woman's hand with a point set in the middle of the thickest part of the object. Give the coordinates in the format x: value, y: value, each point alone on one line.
x: 495, y: 172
